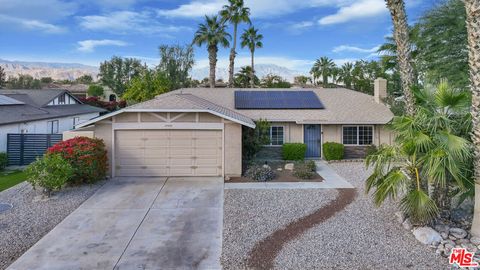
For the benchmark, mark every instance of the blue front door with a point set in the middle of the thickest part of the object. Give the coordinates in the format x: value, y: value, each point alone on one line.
x: 313, y: 139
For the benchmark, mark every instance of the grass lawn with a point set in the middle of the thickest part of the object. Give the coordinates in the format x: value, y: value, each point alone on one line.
x: 11, y: 178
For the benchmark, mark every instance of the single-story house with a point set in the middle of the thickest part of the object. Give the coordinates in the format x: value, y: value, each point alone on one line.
x: 198, y: 131
x: 40, y: 111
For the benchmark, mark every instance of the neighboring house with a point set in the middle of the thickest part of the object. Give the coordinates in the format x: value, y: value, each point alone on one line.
x: 41, y: 111
x: 198, y: 131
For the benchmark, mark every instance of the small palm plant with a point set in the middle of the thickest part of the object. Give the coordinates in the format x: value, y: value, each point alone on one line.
x: 431, y: 154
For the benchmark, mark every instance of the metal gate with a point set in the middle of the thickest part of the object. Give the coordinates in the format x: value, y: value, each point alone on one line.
x: 23, y: 149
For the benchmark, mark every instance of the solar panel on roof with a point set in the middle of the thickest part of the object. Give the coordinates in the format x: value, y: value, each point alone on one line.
x: 277, y: 100
x: 4, y: 100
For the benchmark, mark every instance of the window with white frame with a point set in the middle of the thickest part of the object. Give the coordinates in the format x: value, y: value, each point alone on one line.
x: 76, y: 120
x: 61, y: 99
x: 357, y: 135
x: 276, y: 135
x: 52, y: 127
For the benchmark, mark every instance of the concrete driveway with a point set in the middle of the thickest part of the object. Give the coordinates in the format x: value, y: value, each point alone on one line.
x: 138, y: 223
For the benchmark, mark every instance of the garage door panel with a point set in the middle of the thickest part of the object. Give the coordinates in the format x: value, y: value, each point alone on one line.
x: 168, y: 152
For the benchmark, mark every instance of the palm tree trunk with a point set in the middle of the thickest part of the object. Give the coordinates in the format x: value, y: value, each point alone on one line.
x: 232, y: 57
x: 325, y: 80
x: 473, y: 27
x: 252, y: 74
x: 400, y: 33
x: 212, y: 57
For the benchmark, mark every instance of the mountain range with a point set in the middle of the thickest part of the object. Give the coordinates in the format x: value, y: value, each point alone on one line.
x: 71, y: 71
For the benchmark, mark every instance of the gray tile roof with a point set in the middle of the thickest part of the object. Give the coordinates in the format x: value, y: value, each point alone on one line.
x: 342, y: 106
x: 190, y: 102
x: 34, y: 107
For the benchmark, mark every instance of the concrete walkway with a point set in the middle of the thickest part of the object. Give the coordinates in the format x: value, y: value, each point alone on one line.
x: 331, y: 180
x: 138, y: 223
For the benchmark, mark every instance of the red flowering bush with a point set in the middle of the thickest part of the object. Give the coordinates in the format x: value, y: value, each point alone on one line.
x: 87, y: 156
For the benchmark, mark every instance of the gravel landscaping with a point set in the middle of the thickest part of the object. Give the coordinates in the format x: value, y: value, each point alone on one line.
x: 251, y: 215
x: 30, y: 218
x: 361, y: 236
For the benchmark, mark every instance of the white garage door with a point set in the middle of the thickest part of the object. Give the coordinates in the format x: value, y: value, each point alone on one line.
x: 168, y: 152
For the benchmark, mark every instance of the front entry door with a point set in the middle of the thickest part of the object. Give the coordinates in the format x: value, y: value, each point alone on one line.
x: 313, y: 139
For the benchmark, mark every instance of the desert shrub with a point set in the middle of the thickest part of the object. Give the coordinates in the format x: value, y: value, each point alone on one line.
x: 304, y: 171
x: 87, y: 156
x: 310, y: 164
x: 260, y: 173
x: 333, y: 151
x: 254, y: 139
x: 50, y: 172
x: 3, y: 160
x: 294, y: 151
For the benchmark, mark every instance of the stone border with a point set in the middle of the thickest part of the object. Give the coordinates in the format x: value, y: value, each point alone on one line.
x: 345, y: 160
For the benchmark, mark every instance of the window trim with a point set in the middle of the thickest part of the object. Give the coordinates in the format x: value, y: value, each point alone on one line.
x: 358, y: 134
x: 270, y: 135
x: 51, y: 129
x: 76, y: 122
x: 62, y: 100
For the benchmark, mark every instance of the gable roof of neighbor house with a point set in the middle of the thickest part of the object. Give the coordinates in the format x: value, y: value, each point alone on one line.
x: 34, y: 106
x: 341, y: 106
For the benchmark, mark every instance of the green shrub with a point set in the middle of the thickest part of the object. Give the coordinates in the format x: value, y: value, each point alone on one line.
x: 260, y: 173
x: 87, y: 156
x: 303, y: 171
x: 294, y: 151
x: 333, y: 151
x: 50, y: 172
x: 95, y: 90
x: 3, y: 160
x: 311, y: 165
x: 371, y: 149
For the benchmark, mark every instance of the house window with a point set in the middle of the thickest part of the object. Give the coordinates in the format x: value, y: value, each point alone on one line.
x: 61, y: 99
x: 52, y: 127
x: 76, y: 120
x: 276, y: 135
x: 357, y: 135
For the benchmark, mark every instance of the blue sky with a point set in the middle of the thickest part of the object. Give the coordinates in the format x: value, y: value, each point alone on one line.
x: 295, y: 32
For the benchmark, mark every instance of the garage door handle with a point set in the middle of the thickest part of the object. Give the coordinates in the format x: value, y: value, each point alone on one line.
x: 194, y: 157
x: 143, y: 167
x: 193, y: 167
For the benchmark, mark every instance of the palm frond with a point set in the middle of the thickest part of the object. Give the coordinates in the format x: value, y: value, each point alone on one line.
x: 419, y: 206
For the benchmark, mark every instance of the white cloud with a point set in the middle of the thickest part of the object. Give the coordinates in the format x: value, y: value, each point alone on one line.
x: 258, y: 8
x: 90, y: 44
x: 34, y: 25
x: 126, y: 22
x: 348, y: 48
x: 341, y: 61
x: 299, y: 26
x: 357, y: 10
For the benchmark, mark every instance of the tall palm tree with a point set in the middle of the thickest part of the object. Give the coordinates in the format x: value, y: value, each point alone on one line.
x: 401, y: 36
x: 212, y: 33
x: 324, y: 67
x: 473, y: 28
x: 235, y: 13
x: 345, y: 74
x: 253, y: 40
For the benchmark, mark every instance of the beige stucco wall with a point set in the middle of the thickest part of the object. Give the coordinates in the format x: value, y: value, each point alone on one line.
x: 293, y: 133
x: 103, y: 130
x: 233, y: 149
x: 70, y: 134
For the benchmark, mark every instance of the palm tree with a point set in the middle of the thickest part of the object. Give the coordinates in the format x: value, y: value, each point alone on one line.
x: 253, y: 40
x: 400, y: 34
x: 212, y: 33
x: 345, y: 74
x: 314, y: 73
x: 473, y: 28
x: 243, y: 77
x: 430, y: 155
x: 324, y: 67
x: 235, y: 13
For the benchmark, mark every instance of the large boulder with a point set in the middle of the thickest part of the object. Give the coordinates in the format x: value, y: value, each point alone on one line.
x: 289, y: 166
x: 427, y: 235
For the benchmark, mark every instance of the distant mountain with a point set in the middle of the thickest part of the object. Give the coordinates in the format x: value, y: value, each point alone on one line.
x: 261, y: 70
x: 58, y: 71
x: 71, y: 71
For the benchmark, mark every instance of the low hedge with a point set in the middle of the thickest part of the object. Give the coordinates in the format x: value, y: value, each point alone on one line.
x: 3, y: 160
x: 51, y: 172
x: 294, y: 151
x: 333, y: 151
x: 87, y: 156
